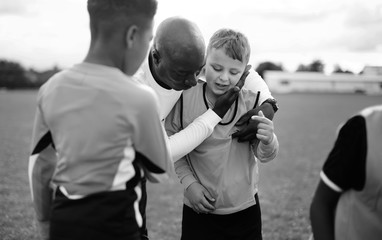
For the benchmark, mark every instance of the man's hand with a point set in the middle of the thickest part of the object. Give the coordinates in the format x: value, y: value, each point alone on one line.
x: 225, y: 101
x: 200, y: 199
x: 248, y: 126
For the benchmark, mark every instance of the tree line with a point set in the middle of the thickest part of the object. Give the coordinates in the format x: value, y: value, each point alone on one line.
x: 314, y: 66
x: 14, y: 76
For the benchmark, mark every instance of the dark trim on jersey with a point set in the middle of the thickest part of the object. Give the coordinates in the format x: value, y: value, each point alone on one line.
x: 346, y: 164
x: 44, y: 142
x: 205, y: 102
x: 181, y: 111
x: 147, y: 163
x: 257, y: 99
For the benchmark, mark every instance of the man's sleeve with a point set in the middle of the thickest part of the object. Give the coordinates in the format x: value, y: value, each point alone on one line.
x: 255, y: 83
x: 186, y: 140
x: 42, y: 163
x: 345, y: 166
x: 183, y: 140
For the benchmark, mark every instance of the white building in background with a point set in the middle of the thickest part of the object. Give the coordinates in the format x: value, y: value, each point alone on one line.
x: 372, y: 70
x: 370, y: 82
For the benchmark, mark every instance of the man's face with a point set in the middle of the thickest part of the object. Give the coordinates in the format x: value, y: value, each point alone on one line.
x: 222, y: 72
x: 179, y: 71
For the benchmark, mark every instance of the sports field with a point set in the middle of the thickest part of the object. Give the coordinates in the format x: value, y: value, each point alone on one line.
x: 306, y: 127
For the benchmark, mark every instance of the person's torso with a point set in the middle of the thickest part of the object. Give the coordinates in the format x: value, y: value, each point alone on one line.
x: 225, y: 167
x: 359, y: 213
x: 91, y: 113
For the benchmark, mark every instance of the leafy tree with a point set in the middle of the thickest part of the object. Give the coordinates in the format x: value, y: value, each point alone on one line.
x: 338, y: 69
x: 262, y: 67
x: 12, y: 75
x: 314, y: 66
x: 302, y: 68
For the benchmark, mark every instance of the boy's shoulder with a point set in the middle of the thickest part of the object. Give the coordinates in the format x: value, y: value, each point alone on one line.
x: 121, y: 88
x: 249, y: 97
x: 50, y: 83
x: 193, y: 90
x: 193, y: 94
x: 248, y: 93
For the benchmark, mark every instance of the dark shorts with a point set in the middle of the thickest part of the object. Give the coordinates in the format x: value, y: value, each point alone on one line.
x: 105, y: 215
x: 243, y: 225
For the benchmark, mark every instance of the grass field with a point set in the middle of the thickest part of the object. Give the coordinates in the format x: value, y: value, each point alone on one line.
x: 306, y: 127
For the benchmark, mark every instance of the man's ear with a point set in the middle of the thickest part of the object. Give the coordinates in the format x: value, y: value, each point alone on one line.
x: 155, y: 55
x: 131, y: 36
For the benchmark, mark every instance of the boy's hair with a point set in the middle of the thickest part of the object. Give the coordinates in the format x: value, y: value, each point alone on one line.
x: 234, y: 43
x: 113, y: 14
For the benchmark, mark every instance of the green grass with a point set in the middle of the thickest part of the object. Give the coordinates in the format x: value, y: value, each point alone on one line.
x: 305, y: 125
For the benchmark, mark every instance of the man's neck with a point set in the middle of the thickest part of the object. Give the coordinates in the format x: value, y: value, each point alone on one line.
x: 154, y: 74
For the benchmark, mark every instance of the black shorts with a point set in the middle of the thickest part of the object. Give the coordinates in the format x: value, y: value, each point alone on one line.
x: 243, y: 225
x: 105, y: 215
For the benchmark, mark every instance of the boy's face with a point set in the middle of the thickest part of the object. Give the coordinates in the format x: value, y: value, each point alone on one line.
x: 222, y: 72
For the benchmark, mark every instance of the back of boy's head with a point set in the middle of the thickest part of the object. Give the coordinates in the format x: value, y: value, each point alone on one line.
x: 109, y: 16
x: 234, y: 43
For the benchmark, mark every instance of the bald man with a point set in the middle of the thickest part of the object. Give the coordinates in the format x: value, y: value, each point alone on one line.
x: 175, y: 60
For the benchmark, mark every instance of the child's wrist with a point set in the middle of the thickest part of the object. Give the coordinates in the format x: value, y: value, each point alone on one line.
x: 270, y: 141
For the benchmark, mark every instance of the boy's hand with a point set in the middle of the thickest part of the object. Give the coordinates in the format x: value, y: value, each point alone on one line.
x: 248, y: 132
x: 199, y: 197
x: 225, y: 101
x: 264, y: 128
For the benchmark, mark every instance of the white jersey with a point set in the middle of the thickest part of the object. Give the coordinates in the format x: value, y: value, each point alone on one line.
x: 91, y: 116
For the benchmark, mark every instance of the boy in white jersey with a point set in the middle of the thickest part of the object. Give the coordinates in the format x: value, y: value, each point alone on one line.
x: 96, y: 130
x: 222, y: 165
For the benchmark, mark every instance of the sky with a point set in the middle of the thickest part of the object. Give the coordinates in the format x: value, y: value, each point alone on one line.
x: 41, y: 34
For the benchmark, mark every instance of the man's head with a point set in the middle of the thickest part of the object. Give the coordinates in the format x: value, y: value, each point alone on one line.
x: 178, y: 53
x: 121, y: 30
x: 228, y: 54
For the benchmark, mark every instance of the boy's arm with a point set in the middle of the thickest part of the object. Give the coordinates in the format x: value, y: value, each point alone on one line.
x: 197, y: 195
x: 266, y: 152
x: 174, y: 126
x: 322, y: 212
x: 267, y: 145
x: 42, y: 163
x: 184, y: 172
x: 267, y: 104
x: 150, y: 138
